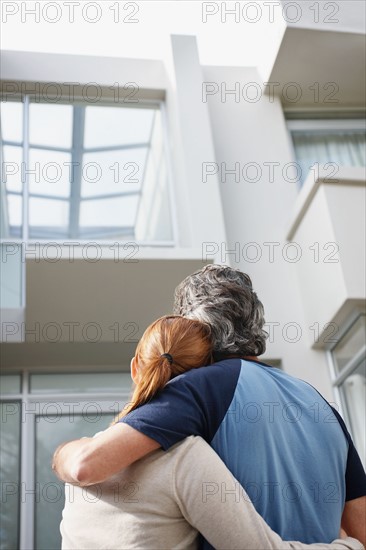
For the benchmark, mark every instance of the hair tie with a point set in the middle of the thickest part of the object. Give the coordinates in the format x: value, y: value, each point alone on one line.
x: 167, y: 356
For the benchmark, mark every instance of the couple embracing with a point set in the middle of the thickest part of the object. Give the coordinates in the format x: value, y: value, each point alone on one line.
x: 203, y: 455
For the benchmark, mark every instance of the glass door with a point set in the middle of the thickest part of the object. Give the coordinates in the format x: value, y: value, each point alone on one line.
x: 50, y: 432
x: 39, y: 411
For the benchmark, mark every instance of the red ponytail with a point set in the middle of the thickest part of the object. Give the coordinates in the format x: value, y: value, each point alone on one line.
x: 186, y: 341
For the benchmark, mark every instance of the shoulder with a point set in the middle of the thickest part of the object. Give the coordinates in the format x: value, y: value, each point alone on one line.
x: 208, y: 389
x: 193, y: 403
x: 226, y: 372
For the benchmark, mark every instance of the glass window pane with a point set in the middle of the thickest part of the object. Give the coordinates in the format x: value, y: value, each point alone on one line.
x: 52, y: 175
x: 116, y: 171
x: 351, y: 343
x: 80, y: 383
x: 154, y: 220
x: 50, y: 125
x: 11, y: 275
x: 9, y: 383
x: 342, y: 148
x: 9, y: 474
x: 11, y: 169
x: 12, y: 121
x: 106, y: 126
x: 51, y: 431
x: 354, y: 393
x: 115, y: 212
x: 48, y: 212
x: 15, y: 214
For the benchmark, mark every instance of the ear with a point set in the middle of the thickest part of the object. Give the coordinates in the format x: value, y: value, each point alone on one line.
x: 134, y: 369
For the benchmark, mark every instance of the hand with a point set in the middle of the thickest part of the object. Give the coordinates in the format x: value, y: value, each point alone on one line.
x: 66, y: 457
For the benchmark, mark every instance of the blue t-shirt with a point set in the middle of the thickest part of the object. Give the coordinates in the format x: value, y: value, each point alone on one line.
x: 279, y: 437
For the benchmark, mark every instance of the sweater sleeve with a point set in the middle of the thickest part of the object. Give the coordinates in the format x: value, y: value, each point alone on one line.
x: 214, y: 502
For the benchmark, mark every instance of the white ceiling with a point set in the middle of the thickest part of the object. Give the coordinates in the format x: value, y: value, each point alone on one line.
x: 99, y: 298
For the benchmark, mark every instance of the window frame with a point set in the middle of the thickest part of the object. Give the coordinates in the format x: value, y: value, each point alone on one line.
x: 338, y: 378
x: 14, y: 398
x: 77, y: 103
x: 320, y: 126
x: 326, y: 125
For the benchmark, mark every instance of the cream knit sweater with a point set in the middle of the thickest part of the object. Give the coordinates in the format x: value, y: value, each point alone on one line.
x: 164, y: 500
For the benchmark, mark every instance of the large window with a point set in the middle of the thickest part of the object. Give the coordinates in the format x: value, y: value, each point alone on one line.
x: 84, y: 171
x: 38, y: 412
x: 348, y: 359
x: 327, y: 144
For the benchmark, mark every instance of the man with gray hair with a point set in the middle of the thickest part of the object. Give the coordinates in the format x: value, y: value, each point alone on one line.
x: 224, y: 298
x: 286, y: 445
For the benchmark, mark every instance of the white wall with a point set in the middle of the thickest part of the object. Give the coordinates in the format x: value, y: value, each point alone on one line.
x: 334, y: 218
x: 30, y: 67
x: 258, y: 212
x: 308, y: 45
x: 343, y: 16
x: 347, y: 207
x: 322, y: 283
x: 204, y: 213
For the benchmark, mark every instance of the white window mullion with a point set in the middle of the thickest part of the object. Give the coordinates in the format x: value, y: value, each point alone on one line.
x: 27, y: 468
x: 77, y: 160
x: 171, y: 189
x: 26, y: 164
x: 337, y: 393
x: 25, y: 216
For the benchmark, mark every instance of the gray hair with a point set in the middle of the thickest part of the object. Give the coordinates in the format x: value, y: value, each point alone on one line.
x: 224, y: 298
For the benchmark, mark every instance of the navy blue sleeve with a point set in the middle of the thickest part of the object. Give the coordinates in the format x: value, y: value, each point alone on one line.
x: 193, y: 403
x: 355, y: 473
